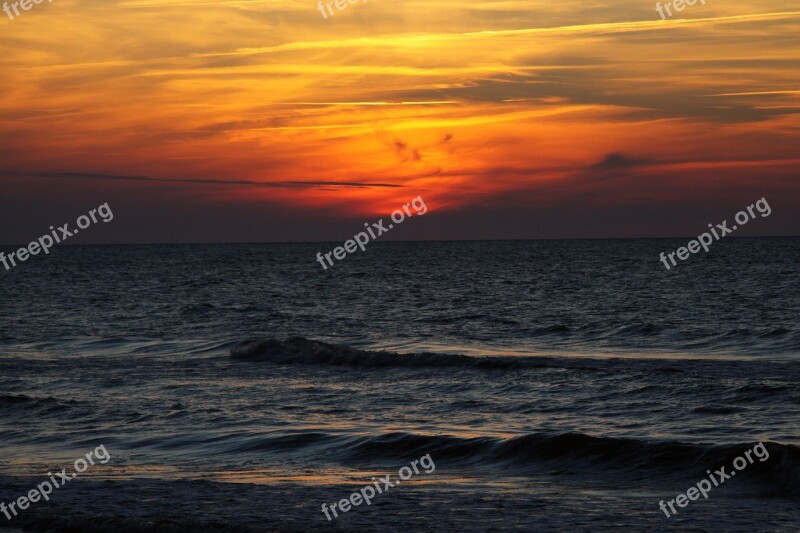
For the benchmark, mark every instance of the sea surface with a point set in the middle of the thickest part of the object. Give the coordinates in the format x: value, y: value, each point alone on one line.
x: 556, y: 385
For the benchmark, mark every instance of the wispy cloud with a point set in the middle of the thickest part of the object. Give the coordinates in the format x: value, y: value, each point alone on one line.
x: 272, y: 184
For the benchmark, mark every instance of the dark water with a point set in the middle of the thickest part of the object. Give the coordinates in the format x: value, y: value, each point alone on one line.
x: 575, y: 382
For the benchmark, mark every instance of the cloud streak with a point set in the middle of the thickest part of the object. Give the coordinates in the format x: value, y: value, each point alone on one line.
x: 270, y: 184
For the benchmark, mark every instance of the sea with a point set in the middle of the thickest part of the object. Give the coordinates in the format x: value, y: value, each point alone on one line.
x: 557, y: 385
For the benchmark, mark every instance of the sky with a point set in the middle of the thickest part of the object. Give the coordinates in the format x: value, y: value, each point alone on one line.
x: 263, y: 121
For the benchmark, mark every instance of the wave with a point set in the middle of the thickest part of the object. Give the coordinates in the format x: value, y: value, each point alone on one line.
x: 299, y: 350
x: 14, y: 401
x: 303, y: 351
x: 564, y: 454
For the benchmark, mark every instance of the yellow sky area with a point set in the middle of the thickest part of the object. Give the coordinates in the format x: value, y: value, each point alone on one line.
x: 457, y: 101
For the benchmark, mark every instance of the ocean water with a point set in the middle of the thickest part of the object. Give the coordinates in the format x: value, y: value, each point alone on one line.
x: 557, y: 385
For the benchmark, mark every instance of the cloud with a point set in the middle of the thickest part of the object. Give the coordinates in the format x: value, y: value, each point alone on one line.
x: 279, y: 184
x: 613, y: 165
x: 403, y: 150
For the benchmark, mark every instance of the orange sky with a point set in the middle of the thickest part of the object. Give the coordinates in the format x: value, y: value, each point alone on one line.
x: 493, y: 107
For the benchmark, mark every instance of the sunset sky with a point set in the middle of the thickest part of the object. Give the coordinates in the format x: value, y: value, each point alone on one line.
x: 225, y: 121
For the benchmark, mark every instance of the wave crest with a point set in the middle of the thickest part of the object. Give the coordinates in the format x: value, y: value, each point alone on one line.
x: 299, y: 350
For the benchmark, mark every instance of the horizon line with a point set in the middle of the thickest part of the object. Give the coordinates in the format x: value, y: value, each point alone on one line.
x: 212, y: 243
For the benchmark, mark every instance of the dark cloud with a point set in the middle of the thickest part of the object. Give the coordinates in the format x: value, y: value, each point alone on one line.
x: 400, y: 147
x: 404, y: 150
x: 613, y: 165
x: 250, y: 183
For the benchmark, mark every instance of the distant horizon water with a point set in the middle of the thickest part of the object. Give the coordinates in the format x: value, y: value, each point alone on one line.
x: 389, y: 240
